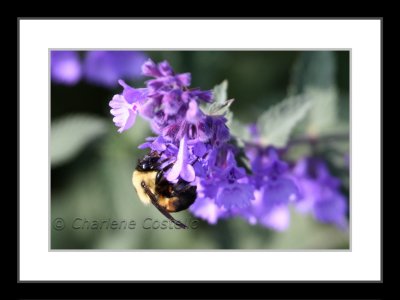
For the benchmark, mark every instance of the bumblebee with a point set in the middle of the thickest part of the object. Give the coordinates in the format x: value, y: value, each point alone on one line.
x: 152, y: 187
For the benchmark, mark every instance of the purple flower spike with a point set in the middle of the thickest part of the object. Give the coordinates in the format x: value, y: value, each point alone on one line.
x: 65, y: 67
x: 321, y: 192
x: 256, y: 184
x: 124, y: 113
x: 106, y: 67
x: 181, y: 167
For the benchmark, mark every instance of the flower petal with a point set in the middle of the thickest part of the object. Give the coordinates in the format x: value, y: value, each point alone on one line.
x: 206, y: 209
x: 278, y: 218
x: 149, y: 68
x: 183, y: 79
x: 123, y: 112
x: 187, y: 173
x: 133, y: 95
x: 332, y: 210
x: 199, y: 149
x: 165, y: 68
x: 235, y: 195
x: 129, y: 122
x: 279, y: 191
x: 180, y: 159
x: 192, y: 112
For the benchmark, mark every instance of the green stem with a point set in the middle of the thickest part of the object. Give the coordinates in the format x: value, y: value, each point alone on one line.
x: 318, y: 140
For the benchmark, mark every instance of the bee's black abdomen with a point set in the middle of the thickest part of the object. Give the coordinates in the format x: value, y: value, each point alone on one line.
x: 185, y: 198
x: 179, y: 196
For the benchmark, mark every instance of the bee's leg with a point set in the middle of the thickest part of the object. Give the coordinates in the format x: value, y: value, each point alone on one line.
x: 167, y: 167
x: 160, y: 177
x: 154, y: 201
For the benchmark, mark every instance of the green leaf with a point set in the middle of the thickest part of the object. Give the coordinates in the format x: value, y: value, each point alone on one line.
x: 221, y: 103
x: 315, y: 69
x: 323, y: 115
x: 314, y: 76
x: 239, y: 131
x: 71, y: 134
x: 277, y: 123
x: 220, y: 92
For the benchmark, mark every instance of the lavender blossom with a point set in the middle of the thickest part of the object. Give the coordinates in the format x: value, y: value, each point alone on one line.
x: 124, y: 112
x: 182, y: 167
x: 125, y: 107
x: 206, y: 209
x: 321, y: 192
x: 105, y: 68
x: 65, y: 67
x: 200, y: 149
x: 204, y: 155
x: 276, y: 217
x: 275, y: 188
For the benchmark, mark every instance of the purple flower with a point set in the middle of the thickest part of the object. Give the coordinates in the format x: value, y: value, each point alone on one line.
x: 197, y: 94
x: 206, y: 209
x: 182, y: 168
x: 125, y: 107
x: 280, y: 191
x: 272, y: 175
x: 234, y: 188
x: 173, y: 109
x: 155, y: 144
x: 274, y: 189
x: 225, y: 183
x: 215, y: 128
x: 276, y: 217
x: 234, y: 195
x: 133, y: 95
x: 331, y: 208
x: 124, y: 113
x: 65, y: 67
x: 164, y: 76
x: 194, y: 126
x: 321, y: 192
x: 106, y: 67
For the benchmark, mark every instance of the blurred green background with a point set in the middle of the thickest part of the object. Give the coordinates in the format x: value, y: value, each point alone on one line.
x: 92, y: 165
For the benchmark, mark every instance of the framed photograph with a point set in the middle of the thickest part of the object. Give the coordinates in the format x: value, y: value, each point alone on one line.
x: 138, y: 153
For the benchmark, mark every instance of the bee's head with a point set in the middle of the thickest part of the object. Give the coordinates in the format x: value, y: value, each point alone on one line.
x: 148, y: 163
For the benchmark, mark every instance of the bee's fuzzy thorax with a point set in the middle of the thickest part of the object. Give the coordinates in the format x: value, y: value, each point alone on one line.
x: 149, y: 179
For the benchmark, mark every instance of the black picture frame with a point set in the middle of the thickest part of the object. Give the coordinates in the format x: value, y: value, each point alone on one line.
x: 197, y: 289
